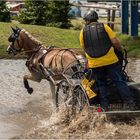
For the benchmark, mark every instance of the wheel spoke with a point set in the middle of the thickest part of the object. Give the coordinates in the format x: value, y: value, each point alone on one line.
x: 63, y: 92
x: 79, y: 98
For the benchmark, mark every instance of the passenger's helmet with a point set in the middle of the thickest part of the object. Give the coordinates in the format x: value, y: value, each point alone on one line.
x: 90, y: 16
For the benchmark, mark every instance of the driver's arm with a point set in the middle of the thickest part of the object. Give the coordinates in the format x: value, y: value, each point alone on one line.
x: 116, y: 43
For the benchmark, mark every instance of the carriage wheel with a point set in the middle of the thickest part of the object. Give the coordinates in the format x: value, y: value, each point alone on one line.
x: 78, y: 75
x: 62, y: 92
x: 79, y: 98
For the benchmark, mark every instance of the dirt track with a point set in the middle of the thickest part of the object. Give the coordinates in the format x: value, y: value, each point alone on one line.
x: 30, y: 116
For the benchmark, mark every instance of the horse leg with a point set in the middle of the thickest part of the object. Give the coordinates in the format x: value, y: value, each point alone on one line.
x: 26, y: 84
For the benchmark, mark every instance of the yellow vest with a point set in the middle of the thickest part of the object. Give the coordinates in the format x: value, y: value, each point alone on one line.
x: 105, y: 60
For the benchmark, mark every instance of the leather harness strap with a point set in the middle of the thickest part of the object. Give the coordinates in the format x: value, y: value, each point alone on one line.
x: 37, y: 55
x: 33, y: 63
x: 55, y: 57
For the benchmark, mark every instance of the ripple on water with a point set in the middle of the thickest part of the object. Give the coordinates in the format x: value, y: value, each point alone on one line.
x: 18, y: 108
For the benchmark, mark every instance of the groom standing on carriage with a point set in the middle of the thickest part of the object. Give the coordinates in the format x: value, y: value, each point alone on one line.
x: 99, y: 41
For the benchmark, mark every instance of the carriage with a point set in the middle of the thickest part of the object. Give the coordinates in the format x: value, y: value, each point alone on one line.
x: 69, y: 91
x: 66, y: 85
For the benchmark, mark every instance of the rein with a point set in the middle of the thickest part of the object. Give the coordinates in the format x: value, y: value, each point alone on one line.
x: 32, y: 50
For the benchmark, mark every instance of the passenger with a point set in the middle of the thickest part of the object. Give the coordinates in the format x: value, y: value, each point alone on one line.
x: 98, y: 41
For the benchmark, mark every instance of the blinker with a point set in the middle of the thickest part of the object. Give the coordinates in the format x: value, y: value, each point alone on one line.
x: 12, y: 38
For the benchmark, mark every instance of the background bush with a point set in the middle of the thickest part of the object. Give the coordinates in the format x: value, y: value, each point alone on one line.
x: 4, y: 12
x: 35, y: 12
x: 44, y: 12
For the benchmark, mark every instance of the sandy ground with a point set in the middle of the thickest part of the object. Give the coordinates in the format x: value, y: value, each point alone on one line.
x: 33, y: 116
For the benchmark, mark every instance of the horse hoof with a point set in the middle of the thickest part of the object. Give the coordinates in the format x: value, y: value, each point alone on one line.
x: 30, y: 90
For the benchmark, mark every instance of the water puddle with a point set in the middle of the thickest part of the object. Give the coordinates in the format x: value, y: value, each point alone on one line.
x: 21, y: 112
x: 9, y: 129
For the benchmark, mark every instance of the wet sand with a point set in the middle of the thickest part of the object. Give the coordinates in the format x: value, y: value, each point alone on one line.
x: 32, y: 116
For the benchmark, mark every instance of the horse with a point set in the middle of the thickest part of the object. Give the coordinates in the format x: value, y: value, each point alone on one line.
x: 40, y: 59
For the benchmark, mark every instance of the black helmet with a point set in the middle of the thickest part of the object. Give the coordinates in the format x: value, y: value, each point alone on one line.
x: 90, y: 16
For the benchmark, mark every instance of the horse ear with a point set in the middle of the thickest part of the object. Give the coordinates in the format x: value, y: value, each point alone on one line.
x: 14, y: 30
x: 17, y: 28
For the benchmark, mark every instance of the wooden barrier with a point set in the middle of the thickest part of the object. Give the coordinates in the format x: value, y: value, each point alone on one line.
x: 110, y: 21
x: 94, y: 6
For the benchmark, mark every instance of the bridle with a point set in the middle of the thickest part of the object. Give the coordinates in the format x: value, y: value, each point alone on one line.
x: 14, y: 38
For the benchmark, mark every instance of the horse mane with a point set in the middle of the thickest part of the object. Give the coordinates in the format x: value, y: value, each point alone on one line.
x: 31, y: 37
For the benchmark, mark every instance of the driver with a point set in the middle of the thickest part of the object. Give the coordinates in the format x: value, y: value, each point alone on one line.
x: 98, y: 41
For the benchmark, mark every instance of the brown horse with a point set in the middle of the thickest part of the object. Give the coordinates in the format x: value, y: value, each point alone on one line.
x: 39, y: 58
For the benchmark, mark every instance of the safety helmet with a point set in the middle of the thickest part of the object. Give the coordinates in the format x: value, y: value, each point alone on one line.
x: 91, y: 15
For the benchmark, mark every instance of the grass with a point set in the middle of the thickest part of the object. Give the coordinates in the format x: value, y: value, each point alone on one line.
x: 47, y: 35
x: 131, y: 44
x: 58, y: 37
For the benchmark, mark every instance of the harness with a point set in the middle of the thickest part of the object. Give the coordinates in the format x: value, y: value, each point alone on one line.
x: 96, y: 40
x: 33, y: 62
x: 63, y: 51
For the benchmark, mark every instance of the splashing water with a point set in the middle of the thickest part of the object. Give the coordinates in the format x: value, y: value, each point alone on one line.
x: 48, y: 123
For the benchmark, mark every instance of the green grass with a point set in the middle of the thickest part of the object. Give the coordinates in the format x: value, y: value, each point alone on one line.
x: 58, y: 37
x: 47, y: 35
x: 131, y: 44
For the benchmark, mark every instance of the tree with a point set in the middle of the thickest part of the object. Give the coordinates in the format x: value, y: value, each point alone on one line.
x: 58, y: 13
x: 46, y: 12
x: 35, y: 12
x: 4, y: 12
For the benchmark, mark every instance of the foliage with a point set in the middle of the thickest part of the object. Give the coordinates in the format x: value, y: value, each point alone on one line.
x: 35, y: 12
x: 77, y: 24
x: 58, y: 13
x: 52, y: 13
x: 4, y: 12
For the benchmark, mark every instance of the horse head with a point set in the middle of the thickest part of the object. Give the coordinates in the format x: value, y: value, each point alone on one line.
x: 22, y: 41
x: 15, y: 45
